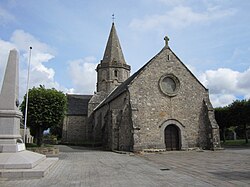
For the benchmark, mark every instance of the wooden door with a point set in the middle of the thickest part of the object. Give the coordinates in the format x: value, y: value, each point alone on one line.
x: 172, y: 138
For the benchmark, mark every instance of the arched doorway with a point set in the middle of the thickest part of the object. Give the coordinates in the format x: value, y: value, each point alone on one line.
x: 172, y: 138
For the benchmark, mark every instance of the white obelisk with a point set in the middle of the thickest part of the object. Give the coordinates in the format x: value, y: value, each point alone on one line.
x: 15, y: 161
x: 10, y: 116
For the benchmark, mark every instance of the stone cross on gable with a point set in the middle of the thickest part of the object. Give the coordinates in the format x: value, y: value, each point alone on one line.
x: 166, y: 40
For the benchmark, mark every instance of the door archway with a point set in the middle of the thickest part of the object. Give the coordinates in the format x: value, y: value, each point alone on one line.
x: 172, y: 137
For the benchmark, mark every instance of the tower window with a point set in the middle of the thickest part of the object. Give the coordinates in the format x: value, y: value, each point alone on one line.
x: 116, y: 73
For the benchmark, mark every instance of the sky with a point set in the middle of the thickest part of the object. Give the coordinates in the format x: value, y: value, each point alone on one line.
x: 68, y: 38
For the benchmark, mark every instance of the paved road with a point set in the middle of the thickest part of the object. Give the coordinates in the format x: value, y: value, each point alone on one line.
x: 82, y: 167
x: 229, y: 167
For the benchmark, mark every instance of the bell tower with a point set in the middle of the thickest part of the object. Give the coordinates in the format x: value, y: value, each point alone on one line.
x: 112, y: 70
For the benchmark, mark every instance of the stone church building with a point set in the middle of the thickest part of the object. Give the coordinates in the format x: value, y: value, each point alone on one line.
x: 161, y: 106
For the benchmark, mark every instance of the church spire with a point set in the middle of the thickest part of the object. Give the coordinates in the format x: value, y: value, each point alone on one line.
x: 113, y: 70
x: 113, y: 52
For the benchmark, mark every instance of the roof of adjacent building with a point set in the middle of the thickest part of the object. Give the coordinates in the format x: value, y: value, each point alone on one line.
x: 113, y: 51
x: 77, y: 104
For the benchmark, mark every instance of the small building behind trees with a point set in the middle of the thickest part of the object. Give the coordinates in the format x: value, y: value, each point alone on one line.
x: 75, y: 121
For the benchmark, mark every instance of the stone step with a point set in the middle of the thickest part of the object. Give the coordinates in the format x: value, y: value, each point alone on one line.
x: 38, y: 171
x: 20, y: 160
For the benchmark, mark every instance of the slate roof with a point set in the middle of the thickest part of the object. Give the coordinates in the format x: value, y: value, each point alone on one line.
x: 113, y: 51
x: 77, y: 104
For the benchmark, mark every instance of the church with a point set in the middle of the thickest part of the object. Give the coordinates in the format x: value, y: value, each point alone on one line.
x: 161, y: 106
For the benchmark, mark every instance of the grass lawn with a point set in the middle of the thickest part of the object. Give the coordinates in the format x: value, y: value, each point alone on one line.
x: 241, y: 142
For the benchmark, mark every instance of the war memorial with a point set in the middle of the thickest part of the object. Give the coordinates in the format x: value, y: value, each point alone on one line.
x: 15, y: 160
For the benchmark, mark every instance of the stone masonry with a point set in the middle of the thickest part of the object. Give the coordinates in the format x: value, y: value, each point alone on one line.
x: 137, y: 114
x: 161, y: 106
x: 76, y: 119
x: 154, y: 110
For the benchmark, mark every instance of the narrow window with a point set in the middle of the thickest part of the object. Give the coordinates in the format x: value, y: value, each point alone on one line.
x: 116, y: 73
x: 168, y: 57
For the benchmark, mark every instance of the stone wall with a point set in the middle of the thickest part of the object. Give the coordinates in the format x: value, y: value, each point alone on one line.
x: 151, y: 108
x: 111, y: 76
x: 213, y: 130
x: 99, y: 117
x: 95, y: 100
x: 75, y: 129
x: 125, y: 128
x: 136, y: 119
x: 122, y: 138
x: 113, y: 124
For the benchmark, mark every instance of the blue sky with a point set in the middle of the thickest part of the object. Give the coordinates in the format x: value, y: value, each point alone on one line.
x: 212, y: 37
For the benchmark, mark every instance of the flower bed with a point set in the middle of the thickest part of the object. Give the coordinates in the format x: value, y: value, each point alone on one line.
x: 48, y: 151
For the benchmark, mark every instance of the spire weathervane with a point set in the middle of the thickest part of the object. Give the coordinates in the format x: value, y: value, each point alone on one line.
x: 113, y: 18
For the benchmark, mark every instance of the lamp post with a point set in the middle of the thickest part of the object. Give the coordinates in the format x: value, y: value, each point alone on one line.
x: 27, y: 98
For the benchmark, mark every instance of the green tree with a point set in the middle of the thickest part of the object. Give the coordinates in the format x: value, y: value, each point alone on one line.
x: 222, y: 116
x: 56, y: 130
x: 46, y: 109
x: 240, y: 115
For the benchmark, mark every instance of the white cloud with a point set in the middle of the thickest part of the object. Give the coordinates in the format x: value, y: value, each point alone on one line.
x: 24, y: 40
x: 226, y: 85
x: 180, y: 17
x: 83, y: 74
x: 82, y: 71
x: 244, y: 83
x: 5, y: 16
x: 222, y: 80
x: 40, y: 74
x: 219, y: 100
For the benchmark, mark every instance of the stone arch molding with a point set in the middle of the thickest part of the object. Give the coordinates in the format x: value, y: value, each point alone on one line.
x: 181, y: 127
